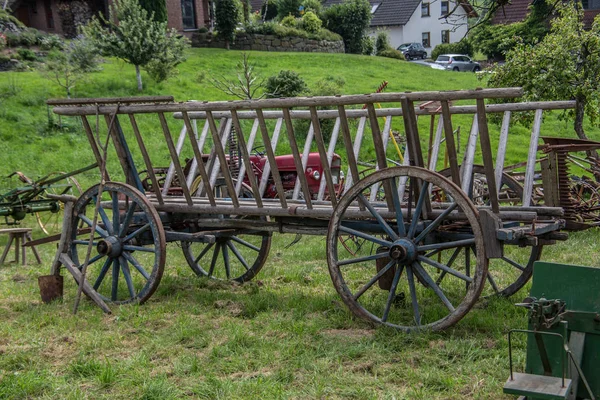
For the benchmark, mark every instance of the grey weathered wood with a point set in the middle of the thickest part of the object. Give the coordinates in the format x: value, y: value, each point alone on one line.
x: 214, y: 159
x: 450, y: 145
x: 171, y: 169
x: 486, y: 153
x: 351, y: 153
x: 531, y: 158
x: 501, y: 153
x: 244, y: 148
x: 146, y: 157
x: 93, y: 144
x: 550, y: 181
x: 306, y: 151
x: 289, y: 126
x: 403, y: 179
x: 87, y: 288
x: 330, y: 150
x: 323, y: 155
x: 174, y: 157
x: 380, y: 154
x: 350, y: 178
x: 490, y: 224
x: 225, y: 172
x: 269, y: 148
x: 111, y: 100
x: 385, y: 139
x: 469, y: 159
x: 190, y: 178
x: 434, y: 151
x: 198, y: 164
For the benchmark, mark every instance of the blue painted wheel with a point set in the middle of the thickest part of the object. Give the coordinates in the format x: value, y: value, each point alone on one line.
x: 128, y: 251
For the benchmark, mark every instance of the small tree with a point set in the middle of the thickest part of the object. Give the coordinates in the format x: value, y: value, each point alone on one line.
x: 350, y: 19
x: 227, y: 13
x: 247, y: 84
x: 382, y: 42
x: 136, y: 38
x: 60, y: 69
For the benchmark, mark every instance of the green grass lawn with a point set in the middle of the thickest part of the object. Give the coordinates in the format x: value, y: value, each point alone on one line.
x: 287, y: 334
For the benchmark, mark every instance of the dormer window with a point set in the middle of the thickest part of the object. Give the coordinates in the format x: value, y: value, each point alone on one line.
x: 424, y: 9
x: 374, y: 7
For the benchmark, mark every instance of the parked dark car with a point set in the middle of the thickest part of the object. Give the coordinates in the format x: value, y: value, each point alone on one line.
x: 413, y: 50
x: 457, y: 62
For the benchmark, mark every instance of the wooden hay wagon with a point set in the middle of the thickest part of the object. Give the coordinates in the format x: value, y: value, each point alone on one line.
x: 407, y: 247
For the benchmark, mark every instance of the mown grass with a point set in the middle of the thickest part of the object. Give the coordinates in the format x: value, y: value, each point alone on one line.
x: 285, y: 335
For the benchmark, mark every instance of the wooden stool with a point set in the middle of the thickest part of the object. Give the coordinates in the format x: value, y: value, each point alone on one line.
x: 20, y: 236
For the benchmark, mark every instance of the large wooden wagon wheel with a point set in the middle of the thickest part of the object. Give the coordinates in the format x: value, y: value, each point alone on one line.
x: 397, y: 286
x: 506, y: 275
x: 236, y: 255
x: 128, y: 258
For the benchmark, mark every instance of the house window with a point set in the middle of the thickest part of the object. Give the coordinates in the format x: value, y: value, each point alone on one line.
x: 425, y: 9
x: 591, y: 4
x: 446, y: 36
x: 426, y: 39
x: 188, y: 14
x: 374, y: 8
x: 445, y: 7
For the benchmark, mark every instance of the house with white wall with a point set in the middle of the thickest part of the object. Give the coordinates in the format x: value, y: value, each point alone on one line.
x: 430, y: 22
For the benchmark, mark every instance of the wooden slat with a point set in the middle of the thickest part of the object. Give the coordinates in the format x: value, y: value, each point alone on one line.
x: 200, y: 144
x: 219, y: 146
x: 502, y: 141
x: 531, y: 158
x: 323, y: 155
x: 199, y: 163
x: 171, y: 170
x: 93, y: 144
x: 486, y: 152
x: 356, y: 151
x: 246, y: 160
x: 122, y: 153
x: 434, y: 151
x: 301, y: 175
x: 266, y: 173
x: 146, y: 157
x: 307, y: 145
x: 351, y: 153
x: 330, y: 151
x: 450, y: 145
x: 214, y: 165
x: 385, y: 139
x: 271, y: 158
x: 249, y: 147
x: 175, y: 158
x: 467, y: 164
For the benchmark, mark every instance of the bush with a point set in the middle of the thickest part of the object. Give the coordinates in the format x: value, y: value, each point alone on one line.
x: 51, y: 42
x: 162, y: 67
x: 285, y: 84
x: 313, y: 5
x: 382, y: 42
x: 288, y: 7
x: 350, y: 19
x: 272, y: 28
x: 26, y: 55
x: 30, y: 37
x: 268, y: 11
x: 392, y: 53
x: 227, y: 15
x: 311, y: 23
x: 368, y: 45
x: 462, y: 47
x: 290, y: 21
x: 12, y: 39
x: 3, y: 42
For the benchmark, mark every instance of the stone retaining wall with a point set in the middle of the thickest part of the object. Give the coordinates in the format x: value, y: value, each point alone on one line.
x: 254, y: 41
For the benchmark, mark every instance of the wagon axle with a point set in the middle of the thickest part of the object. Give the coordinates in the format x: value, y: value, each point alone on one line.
x: 403, y: 251
x: 111, y: 246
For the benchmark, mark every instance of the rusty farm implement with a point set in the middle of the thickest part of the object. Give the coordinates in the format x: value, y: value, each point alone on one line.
x: 434, y: 241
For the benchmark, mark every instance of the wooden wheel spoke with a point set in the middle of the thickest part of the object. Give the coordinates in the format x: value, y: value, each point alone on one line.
x: 89, y: 223
x: 244, y: 243
x: 139, y: 248
x: 102, y: 273
x: 423, y: 273
x: 116, y: 224
x: 447, y: 245
x: 513, y: 263
x: 492, y: 282
x: 418, y: 208
x: 127, y: 276
x: 392, y: 295
x: 213, y: 262
x: 226, y: 261
x: 398, y: 208
x: 445, y: 268
x: 203, y: 252
x: 127, y: 220
x: 95, y: 258
x: 137, y: 232
x: 366, y: 236
x: 238, y: 255
x: 386, y: 227
x: 373, y: 280
x: 371, y: 257
x: 436, y: 222
x: 132, y: 260
x: 105, y: 220
x: 84, y: 242
x: 453, y: 257
x: 413, y: 294
x: 116, y: 271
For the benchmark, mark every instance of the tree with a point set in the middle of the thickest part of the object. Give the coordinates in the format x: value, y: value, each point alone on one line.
x: 564, y: 65
x: 227, y: 14
x: 350, y: 19
x: 247, y: 84
x: 60, y: 70
x: 158, y: 7
x: 136, y: 38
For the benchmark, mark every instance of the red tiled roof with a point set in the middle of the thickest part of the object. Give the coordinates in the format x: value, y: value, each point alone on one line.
x: 516, y: 11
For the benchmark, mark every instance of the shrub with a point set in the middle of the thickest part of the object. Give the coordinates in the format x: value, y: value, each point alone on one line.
x: 462, y: 47
x: 382, y: 42
x: 288, y: 7
x: 312, y: 5
x: 26, y: 55
x: 12, y: 39
x: 268, y: 11
x: 290, y: 21
x: 311, y: 23
x: 162, y: 67
x: 51, y: 42
x: 392, y: 53
x: 227, y: 15
x: 368, y: 45
x: 349, y: 19
x: 285, y: 84
x: 3, y: 42
x: 30, y: 37
x: 272, y: 28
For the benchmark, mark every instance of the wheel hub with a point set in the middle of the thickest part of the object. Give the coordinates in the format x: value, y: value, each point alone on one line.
x: 111, y: 246
x: 404, y: 251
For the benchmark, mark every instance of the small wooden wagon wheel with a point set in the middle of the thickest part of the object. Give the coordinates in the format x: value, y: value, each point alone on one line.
x: 397, y: 286
x: 236, y: 255
x: 506, y: 275
x: 130, y: 246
